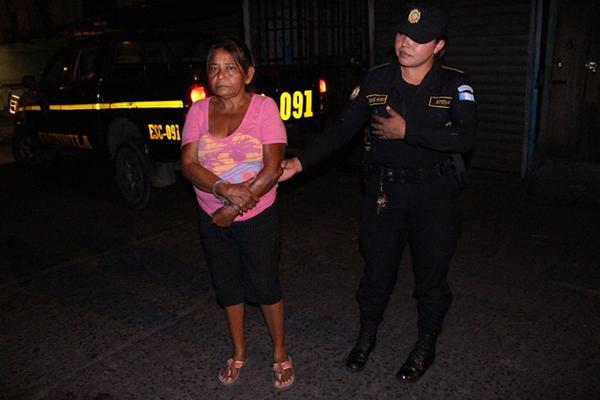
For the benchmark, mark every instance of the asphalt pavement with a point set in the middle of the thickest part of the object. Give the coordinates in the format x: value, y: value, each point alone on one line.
x: 6, y: 134
x: 101, y: 302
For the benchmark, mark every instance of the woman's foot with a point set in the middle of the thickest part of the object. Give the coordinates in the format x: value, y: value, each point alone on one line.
x: 230, y: 374
x: 283, y: 373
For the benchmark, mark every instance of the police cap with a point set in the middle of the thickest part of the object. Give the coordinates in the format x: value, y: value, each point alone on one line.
x: 424, y: 23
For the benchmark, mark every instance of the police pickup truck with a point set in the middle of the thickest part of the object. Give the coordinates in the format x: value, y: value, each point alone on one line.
x: 124, y: 96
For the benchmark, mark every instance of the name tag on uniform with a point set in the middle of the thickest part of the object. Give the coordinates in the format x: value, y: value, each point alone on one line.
x: 440, y: 101
x: 376, y: 99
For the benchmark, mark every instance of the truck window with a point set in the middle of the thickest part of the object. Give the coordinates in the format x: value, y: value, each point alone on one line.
x: 175, y: 51
x: 156, y: 52
x: 87, y: 63
x: 186, y: 51
x: 128, y: 52
x: 56, y: 70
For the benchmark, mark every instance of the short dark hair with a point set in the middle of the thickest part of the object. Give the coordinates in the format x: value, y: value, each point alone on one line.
x: 240, y: 53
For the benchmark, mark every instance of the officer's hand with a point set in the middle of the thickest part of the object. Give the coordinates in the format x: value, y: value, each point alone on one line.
x: 392, y: 127
x: 290, y: 168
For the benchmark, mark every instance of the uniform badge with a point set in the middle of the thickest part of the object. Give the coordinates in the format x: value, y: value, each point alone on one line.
x: 414, y: 16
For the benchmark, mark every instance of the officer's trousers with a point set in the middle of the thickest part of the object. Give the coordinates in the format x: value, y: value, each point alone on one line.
x: 426, y: 215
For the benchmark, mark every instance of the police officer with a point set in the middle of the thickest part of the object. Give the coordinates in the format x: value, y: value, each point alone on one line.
x: 420, y: 114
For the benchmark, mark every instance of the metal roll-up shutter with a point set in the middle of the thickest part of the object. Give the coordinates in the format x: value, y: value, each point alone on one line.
x: 489, y: 40
x: 308, y: 31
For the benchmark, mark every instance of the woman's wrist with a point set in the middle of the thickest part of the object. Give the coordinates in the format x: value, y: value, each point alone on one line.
x: 215, y: 187
x: 234, y: 207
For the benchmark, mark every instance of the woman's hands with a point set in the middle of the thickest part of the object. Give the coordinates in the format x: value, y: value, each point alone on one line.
x: 244, y: 196
x: 224, y: 216
x: 240, y: 198
x: 239, y: 194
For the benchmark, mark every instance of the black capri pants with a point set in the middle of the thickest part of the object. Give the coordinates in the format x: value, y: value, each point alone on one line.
x: 243, y: 260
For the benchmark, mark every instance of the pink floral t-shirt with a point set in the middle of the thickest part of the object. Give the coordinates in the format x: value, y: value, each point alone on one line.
x: 239, y: 156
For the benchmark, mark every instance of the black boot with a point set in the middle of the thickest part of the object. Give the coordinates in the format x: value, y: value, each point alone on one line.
x: 421, y: 357
x: 364, y: 346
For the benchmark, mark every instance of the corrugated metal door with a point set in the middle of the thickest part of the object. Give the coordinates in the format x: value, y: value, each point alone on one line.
x: 490, y: 40
x: 308, y: 31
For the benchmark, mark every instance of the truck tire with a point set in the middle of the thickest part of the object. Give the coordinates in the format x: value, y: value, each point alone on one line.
x: 25, y: 148
x: 132, y: 173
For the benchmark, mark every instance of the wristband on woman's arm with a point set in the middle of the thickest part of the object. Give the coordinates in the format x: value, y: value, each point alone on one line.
x: 223, y: 199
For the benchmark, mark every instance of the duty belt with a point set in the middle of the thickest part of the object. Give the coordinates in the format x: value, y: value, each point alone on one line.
x: 404, y: 175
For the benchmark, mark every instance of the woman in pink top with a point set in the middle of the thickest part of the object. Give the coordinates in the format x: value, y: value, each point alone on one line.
x: 233, y: 144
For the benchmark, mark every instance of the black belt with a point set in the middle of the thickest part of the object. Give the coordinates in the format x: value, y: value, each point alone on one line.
x: 405, y: 175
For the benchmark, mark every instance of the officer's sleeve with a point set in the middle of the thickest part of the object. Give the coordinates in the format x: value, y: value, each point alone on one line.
x: 351, y: 119
x: 458, y: 135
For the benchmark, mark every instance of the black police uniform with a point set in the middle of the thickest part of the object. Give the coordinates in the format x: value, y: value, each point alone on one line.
x: 411, y: 191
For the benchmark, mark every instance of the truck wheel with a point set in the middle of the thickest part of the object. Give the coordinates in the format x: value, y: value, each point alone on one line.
x: 25, y: 149
x: 133, y: 175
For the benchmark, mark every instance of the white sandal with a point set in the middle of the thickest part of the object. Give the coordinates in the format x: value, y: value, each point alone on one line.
x: 278, y: 369
x: 231, y: 364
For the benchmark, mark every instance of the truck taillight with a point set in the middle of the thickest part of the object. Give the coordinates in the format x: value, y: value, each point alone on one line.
x: 198, y: 92
x: 322, y: 86
x: 13, y: 104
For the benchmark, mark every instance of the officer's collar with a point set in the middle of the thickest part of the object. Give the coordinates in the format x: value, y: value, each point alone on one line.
x: 430, y: 79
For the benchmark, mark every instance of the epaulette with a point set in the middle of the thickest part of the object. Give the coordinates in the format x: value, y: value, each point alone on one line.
x: 379, y: 66
x: 453, y: 69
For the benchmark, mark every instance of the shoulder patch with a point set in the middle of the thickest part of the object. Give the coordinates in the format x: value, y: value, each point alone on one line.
x: 465, y: 93
x: 453, y: 69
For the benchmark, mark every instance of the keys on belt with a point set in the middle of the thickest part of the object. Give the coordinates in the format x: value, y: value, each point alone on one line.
x: 399, y: 175
x: 382, y: 198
